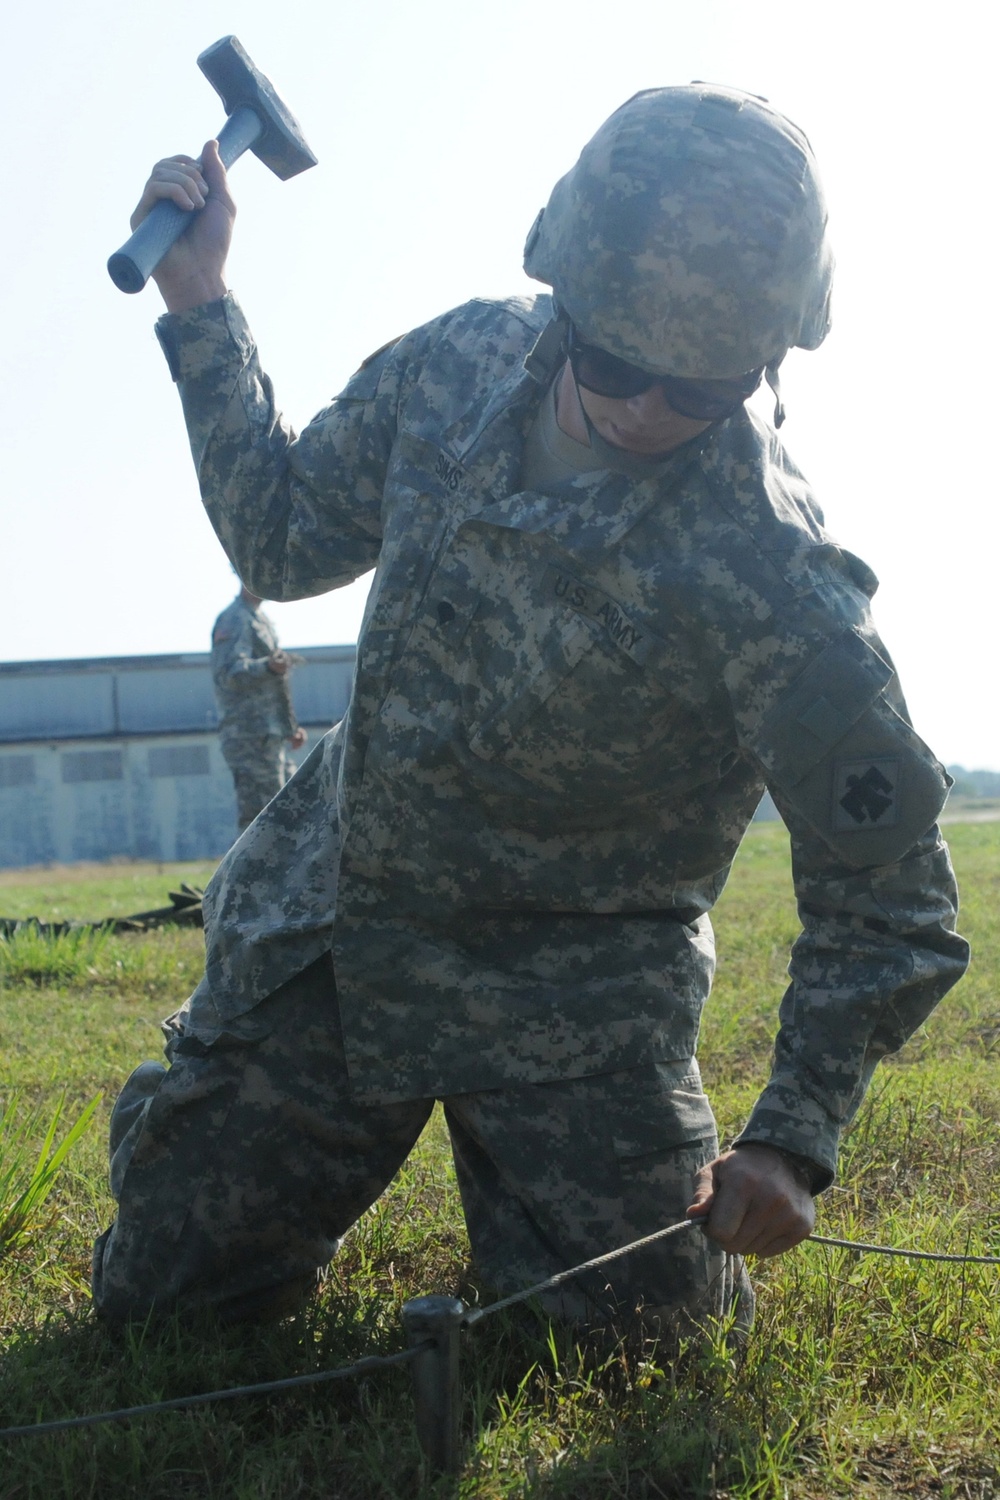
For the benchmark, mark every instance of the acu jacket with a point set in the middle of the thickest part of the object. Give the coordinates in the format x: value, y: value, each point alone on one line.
x: 566, y: 708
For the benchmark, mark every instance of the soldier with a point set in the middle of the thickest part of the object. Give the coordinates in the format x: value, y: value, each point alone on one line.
x: 606, y: 614
x: 256, y: 716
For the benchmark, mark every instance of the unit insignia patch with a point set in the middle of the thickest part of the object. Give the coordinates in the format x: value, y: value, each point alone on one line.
x: 865, y: 794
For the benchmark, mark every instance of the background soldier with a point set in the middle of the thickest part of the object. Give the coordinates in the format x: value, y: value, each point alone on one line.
x: 605, y: 614
x: 250, y: 676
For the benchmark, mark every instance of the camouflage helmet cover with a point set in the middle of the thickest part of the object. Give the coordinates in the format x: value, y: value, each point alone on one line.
x: 690, y: 237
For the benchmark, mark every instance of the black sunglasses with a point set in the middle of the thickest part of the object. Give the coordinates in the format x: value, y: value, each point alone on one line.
x: 702, y: 400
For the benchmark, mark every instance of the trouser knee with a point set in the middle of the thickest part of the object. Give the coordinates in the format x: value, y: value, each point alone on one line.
x: 239, y: 1168
x: 128, y: 1117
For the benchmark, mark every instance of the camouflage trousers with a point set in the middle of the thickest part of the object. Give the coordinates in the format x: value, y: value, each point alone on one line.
x: 259, y: 768
x: 240, y: 1167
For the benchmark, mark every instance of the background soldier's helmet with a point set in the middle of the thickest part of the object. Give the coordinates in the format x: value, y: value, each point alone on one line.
x: 690, y: 238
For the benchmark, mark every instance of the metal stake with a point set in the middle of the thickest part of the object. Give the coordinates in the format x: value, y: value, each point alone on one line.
x: 436, y: 1377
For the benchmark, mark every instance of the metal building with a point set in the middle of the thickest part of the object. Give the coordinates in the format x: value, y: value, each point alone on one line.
x: 119, y: 756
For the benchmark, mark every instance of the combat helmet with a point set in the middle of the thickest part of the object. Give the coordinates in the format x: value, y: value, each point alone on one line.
x: 691, y: 236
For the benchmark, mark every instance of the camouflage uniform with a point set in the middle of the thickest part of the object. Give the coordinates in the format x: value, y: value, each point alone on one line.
x: 566, y: 707
x: 255, y: 707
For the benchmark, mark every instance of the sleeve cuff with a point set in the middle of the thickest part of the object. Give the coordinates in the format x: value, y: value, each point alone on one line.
x: 792, y: 1122
x: 206, y: 337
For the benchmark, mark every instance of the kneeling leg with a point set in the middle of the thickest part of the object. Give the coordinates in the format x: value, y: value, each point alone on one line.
x: 239, y: 1168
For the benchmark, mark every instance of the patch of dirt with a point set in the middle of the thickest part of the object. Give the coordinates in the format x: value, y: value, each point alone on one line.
x: 894, y: 1467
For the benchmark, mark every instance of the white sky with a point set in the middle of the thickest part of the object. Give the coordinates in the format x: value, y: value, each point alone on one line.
x: 440, y: 128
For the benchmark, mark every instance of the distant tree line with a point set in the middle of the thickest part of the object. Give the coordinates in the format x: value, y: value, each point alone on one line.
x: 975, y: 783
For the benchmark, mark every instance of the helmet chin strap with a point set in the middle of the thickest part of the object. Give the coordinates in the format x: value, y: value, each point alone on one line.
x: 549, y: 355
x: 773, y: 378
x: 545, y: 361
x: 619, y: 460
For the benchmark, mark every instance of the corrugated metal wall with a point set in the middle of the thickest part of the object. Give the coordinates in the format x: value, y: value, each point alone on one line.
x: 120, y: 756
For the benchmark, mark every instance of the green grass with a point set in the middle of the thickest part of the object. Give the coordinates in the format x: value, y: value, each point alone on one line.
x: 27, y: 1175
x: 89, y: 892
x: 865, y: 1377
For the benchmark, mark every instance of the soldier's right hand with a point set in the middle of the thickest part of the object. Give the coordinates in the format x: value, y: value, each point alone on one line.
x: 193, y: 269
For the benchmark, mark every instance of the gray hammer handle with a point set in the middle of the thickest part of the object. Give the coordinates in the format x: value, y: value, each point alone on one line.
x: 129, y: 267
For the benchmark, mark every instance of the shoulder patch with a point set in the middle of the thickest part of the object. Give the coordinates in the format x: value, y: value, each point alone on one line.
x: 865, y: 794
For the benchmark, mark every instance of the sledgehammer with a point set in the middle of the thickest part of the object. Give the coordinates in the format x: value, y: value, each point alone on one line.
x: 258, y: 121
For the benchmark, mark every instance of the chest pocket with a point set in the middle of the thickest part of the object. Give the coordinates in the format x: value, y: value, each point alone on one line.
x: 500, y: 700
x: 562, y: 689
x: 486, y: 636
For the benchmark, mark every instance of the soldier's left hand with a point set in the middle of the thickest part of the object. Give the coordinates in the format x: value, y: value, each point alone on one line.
x: 278, y: 662
x: 297, y: 738
x: 753, y: 1201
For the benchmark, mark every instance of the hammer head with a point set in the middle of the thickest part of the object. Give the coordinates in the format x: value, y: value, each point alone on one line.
x: 281, y: 144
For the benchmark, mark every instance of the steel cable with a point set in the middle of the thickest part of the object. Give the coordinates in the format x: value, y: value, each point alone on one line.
x: 819, y: 1239
x: 475, y: 1315
x: 972, y: 1260
x: 370, y: 1362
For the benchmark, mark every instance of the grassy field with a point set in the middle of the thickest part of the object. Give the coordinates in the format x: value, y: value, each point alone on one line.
x: 866, y: 1376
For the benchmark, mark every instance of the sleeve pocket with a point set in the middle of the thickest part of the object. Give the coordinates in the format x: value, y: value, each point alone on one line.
x: 835, y: 752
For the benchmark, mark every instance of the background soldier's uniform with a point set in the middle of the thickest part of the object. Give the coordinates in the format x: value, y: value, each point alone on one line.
x: 255, y: 706
x: 566, y: 707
